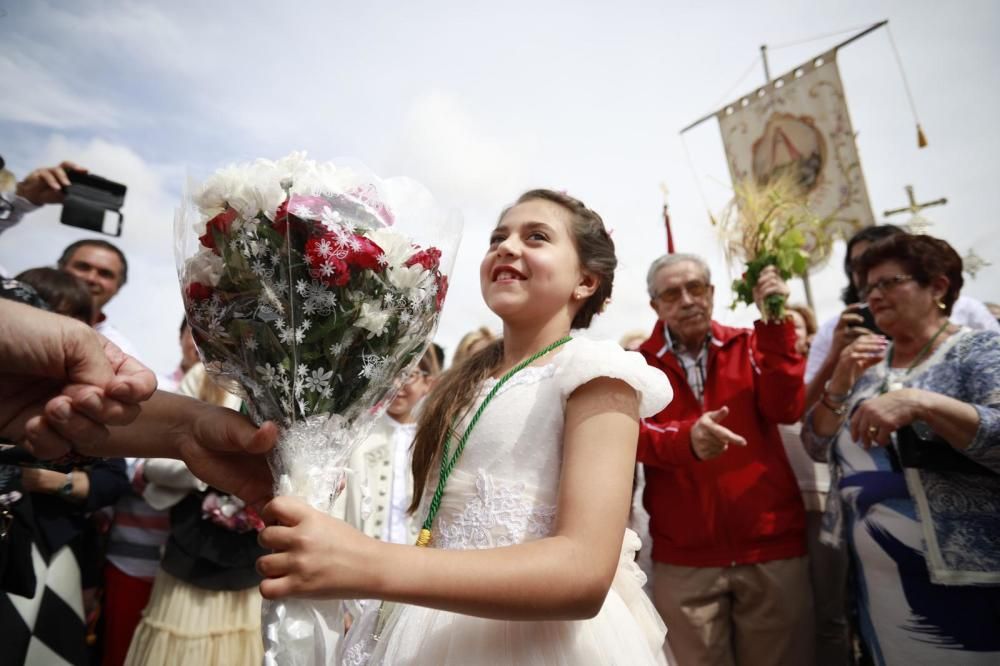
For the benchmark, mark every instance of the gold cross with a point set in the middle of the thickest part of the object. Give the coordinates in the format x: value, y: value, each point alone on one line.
x: 917, y: 223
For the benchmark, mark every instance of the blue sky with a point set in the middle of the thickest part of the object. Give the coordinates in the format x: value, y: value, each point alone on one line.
x: 479, y: 101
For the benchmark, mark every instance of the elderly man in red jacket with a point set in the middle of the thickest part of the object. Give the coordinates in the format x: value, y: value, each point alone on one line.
x: 730, y: 576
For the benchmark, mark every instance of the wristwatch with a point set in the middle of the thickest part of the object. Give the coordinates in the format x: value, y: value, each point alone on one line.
x: 67, y: 488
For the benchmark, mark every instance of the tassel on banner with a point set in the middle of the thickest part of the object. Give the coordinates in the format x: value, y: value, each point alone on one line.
x: 921, y: 138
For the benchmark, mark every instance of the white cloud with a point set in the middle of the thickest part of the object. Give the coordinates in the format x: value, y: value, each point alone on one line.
x: 35, y: 96
x: 149, y: 204
x: 444, y: 144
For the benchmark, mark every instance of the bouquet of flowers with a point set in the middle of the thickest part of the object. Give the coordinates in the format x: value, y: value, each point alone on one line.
x: 768, y: 224
x: 302, y: 287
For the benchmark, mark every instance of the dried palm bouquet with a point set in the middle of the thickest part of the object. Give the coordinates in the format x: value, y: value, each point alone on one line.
x: 769, y: 224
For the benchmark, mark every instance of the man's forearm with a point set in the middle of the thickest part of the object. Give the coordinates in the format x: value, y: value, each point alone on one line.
x: 666, y: 444
x: 156, y: 433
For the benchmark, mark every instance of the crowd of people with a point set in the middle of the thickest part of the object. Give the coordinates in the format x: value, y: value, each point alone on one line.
x: 807, y: 493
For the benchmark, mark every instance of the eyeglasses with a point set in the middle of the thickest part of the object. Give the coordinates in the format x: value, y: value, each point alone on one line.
x: 883, y: 285
x: 411, y: 377
x: 694, y: 288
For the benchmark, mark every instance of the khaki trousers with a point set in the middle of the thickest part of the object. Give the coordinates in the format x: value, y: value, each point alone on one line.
x: 745, y: 615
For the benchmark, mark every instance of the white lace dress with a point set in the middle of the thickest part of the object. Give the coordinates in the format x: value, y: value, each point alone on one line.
x: 503, y: 491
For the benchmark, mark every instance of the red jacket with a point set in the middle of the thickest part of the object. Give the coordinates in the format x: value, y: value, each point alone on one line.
x: 743, y: 506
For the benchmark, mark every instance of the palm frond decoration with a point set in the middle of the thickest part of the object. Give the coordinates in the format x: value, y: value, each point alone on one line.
x: 769, y: 224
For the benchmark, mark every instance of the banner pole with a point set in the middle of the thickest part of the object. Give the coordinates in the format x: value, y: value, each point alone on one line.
x: 805, y: 276
x: 854, y: 38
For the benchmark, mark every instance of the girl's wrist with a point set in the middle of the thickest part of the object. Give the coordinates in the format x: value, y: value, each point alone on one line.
x: 382, y: 583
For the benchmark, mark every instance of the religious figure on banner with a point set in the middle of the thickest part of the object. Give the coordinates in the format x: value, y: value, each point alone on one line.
x: 790, y: 142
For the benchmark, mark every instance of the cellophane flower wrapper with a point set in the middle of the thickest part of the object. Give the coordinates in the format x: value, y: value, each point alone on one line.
x: 312, y: 287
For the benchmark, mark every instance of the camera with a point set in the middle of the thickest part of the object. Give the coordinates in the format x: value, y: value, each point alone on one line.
x: 93, y: 203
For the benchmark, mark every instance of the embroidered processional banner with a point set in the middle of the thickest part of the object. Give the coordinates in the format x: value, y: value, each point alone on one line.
x: 800, y: 121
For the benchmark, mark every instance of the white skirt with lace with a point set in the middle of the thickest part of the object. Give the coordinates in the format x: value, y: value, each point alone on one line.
x: 627, y: 632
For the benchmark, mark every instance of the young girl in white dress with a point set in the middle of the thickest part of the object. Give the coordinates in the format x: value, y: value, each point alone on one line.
x: 523, y: 482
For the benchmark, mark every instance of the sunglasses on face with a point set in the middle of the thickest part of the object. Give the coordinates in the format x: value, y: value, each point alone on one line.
x: 883, y: 285
x: 694, y: 289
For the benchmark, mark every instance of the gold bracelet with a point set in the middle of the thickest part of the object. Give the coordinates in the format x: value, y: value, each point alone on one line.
x: 835, y: 397
x: 839, y: 411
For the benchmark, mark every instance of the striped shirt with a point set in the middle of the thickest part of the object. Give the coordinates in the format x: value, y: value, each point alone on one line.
x: 139, y: 531
x: 694, y: 364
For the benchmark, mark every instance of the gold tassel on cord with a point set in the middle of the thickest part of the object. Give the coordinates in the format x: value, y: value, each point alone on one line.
x: 921, y: 139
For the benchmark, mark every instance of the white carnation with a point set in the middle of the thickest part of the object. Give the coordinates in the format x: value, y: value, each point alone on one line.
x: 204, y: 267
x: 255, y: 187
x: 373, y: 319
x: 215, y: 192
x: 397, y: 248
x: 408, y: 277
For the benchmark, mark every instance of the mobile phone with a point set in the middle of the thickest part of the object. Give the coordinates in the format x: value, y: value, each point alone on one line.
x: 869, y: 319
x: 94, y: 203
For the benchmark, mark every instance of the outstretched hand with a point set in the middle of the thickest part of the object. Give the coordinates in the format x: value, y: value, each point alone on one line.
x: 709, y: 438
x: 61, y: 381
x: 224, y: 449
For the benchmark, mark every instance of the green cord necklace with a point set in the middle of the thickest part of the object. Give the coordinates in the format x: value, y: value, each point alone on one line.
x: 448, y: 462
x: 886, y: 385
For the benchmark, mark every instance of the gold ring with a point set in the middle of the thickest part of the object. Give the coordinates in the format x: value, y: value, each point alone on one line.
x: 873, y: 430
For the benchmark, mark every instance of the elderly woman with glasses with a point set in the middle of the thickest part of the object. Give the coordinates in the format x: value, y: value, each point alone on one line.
x: 911, y: 429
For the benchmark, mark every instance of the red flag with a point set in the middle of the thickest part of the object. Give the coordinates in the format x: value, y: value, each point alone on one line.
x: 670, y: 235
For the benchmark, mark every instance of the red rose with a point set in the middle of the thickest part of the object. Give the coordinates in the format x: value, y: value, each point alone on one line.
x: 281, y: 215
x: 197, y: 291
x: 368, y: 255
x: 332, y: 272
x: 219, y: 224
x: 324, y: 264
x: 430, y: 259
x: 282, y: 220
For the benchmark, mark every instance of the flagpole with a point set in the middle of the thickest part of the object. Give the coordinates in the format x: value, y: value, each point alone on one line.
x: 767, y: 81
x: 849, y: 40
